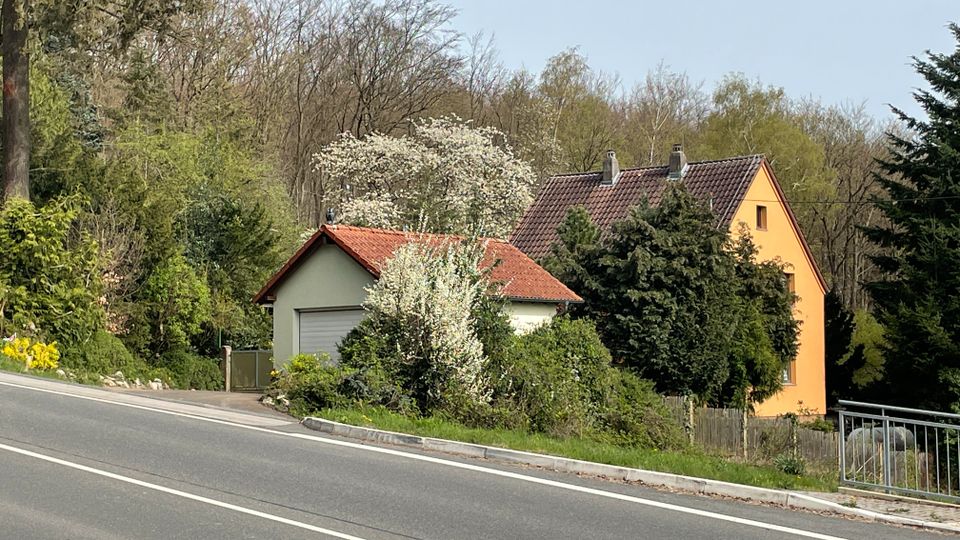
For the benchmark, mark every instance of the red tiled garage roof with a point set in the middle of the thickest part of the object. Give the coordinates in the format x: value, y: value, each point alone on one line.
x: 724, y: 181
x: 522, y: 278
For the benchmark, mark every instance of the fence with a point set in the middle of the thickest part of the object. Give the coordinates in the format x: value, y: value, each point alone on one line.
x: 721, y: 431
x: 909, y: 451
x: 250, y: 370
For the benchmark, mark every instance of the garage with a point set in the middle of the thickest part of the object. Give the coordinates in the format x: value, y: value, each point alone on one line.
x: 322, y: 331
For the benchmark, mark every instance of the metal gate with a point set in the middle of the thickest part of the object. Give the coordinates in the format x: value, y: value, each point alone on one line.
x: 900, y: 450
x: 250, y: 370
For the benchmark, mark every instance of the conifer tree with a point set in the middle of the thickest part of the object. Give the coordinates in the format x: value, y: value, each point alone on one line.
x: 917, y: 298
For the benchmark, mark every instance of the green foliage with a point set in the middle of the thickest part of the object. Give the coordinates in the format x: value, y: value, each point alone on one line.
x: 178, y: 302
x: 634, y: 415
x: 661, y: 287
x: 188, y: 370
x: 103, y: 354
x: 664, y: 283
x: 49, y: 280
x: 749, y: 118
x: 916, y: 300
x: 790, y: 464
x: 311, y: 383
x: 555, y: 377
x: 573, y: 257
x: 558, y: 380
x: 765, y: 335
x: 867, y: 342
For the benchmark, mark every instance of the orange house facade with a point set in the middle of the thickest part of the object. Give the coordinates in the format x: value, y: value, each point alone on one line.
x: 742, y: 192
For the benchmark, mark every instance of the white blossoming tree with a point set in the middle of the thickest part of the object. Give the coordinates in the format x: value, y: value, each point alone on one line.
x: 428, y: 292
x: 447, y: 176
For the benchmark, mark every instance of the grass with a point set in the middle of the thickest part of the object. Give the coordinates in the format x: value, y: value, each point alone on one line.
x: 690, y: 463
x: 9, y: 364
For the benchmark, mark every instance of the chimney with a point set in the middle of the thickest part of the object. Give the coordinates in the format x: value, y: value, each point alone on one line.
x: 611, y: 169
x: 678, y: 163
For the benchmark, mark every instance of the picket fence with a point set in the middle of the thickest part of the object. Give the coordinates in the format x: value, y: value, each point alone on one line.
x: 720, y: 431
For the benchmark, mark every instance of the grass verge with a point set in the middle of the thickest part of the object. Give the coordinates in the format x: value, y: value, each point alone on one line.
x: 690, y: 463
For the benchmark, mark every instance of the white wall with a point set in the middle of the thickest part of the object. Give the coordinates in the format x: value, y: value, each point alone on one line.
x: 327, y: 279
x: 525, y: 316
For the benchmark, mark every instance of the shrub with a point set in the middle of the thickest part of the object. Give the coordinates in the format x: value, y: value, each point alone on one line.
x: 49, y: 281
x: 555, y: 377
x: 31, y: 354
x: 422, y: 305
x: 103, y: 354
x: 312, y: 383
x: 190, y: 370
x: 635, y: 415
x: 789, y: 464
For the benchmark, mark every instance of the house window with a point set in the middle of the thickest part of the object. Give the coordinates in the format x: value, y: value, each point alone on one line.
x: 791, y: 282
x: 789, y: 373
x: 761, y: 218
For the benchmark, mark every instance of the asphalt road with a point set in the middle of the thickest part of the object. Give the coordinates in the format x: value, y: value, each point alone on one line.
x: 76, y: 467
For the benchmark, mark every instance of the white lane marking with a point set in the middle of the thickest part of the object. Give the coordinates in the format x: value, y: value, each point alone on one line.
x: 178, y: 493
x: 465, y: 466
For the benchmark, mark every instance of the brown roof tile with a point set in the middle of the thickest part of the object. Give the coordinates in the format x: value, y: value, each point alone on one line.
x: 725, y: 181
x: 522, y: 278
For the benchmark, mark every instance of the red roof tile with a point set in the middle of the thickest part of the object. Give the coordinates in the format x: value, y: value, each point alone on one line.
x: 522, y: 278
x: 724, y: 181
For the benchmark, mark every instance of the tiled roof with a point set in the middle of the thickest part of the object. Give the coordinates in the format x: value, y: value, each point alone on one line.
x: 522, y: 278
x: 724, y: 181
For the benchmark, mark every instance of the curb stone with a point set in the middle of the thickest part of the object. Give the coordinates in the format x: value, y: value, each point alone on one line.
x: 700, y: 486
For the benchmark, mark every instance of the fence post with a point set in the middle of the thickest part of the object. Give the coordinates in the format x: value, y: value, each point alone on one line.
x: 743, y: 430
x: 225, y: 366
x: 887, y: 480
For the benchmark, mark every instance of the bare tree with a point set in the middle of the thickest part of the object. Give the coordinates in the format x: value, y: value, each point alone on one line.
x: 665, y: 108
x: 852, y: 142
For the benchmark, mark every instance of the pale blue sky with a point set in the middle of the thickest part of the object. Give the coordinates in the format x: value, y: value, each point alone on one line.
x: 839, y: 51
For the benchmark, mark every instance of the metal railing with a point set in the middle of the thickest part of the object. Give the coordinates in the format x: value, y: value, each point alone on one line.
x: 900, y: 450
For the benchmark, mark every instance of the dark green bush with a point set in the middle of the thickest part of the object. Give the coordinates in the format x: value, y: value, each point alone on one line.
x: 635, y: 415
x: 556, y: 377
x: 192, y: 371
x: 103, y: 354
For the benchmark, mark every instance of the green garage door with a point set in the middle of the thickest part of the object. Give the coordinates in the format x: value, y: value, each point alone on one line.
x: 321, y: 331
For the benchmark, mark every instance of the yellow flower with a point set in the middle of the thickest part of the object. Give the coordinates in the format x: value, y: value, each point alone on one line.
x: 43, y: 356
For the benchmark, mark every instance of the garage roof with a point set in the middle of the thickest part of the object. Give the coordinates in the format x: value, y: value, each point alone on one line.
x: 523, y: 280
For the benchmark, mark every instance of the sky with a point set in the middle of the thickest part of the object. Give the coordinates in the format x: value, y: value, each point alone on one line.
x: 841, y: 51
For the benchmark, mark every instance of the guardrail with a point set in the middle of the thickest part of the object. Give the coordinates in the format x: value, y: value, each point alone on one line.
x: 900, y: 450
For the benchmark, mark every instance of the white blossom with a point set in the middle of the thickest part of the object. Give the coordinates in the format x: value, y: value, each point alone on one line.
x: 448, y: 175
x: 431, y: 289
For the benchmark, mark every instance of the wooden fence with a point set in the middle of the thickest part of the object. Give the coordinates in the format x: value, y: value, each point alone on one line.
x: 721, y: 431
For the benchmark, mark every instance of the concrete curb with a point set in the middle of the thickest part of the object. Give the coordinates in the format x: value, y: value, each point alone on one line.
x: 700, y: 486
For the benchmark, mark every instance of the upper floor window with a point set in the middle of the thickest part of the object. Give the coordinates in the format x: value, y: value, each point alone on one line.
x: 761, y: 218
x: 791, y: 282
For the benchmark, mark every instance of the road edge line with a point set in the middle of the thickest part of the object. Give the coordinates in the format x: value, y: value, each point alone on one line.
x: 690, y: 484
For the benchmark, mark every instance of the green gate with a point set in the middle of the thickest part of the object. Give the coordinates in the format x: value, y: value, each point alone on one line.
x: 250, y: 370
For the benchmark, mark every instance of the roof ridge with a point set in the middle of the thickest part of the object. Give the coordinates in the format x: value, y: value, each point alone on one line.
x: 651, y: 167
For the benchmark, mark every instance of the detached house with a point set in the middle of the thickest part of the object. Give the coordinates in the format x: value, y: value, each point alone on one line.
x: 738, y: 190
x: 318, y: 295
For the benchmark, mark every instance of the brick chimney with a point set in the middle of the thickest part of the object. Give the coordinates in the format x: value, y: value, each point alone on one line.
x: 678, y: 163
x: 611, y: 169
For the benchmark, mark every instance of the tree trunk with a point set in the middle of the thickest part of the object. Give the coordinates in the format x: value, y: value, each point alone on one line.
x: 16, y: 100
